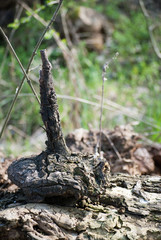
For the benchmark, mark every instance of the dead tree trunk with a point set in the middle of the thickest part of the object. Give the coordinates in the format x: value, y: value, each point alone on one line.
x: 86, y: 201
x: 49, y: 110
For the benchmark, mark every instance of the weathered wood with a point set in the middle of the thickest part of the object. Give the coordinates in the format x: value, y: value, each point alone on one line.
x: 129, y: 208
x: 52, y: 176
x: 49, y: 109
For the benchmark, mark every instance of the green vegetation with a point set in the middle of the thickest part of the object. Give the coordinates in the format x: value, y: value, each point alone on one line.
x: 133, y: 79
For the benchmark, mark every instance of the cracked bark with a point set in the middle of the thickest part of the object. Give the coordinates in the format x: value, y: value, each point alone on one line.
x: 49, y: 109
x: 129, y: 208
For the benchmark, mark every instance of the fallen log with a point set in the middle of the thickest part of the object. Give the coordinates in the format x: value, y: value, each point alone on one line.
x: 129, y: 208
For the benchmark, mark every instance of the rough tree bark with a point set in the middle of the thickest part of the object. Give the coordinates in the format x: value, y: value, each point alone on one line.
x: 81, y: 199
x: 49, y: 110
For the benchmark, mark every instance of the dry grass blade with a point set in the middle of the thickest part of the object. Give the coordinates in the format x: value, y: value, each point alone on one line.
x: 108, y: 105
x: 126, y: 112
x: 28, y: 67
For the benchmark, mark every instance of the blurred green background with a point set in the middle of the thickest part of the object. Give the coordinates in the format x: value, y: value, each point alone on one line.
x: 132, y: 93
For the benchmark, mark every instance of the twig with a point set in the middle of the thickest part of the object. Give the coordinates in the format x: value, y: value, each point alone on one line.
x: 101, y: 113
x: 72, y: 62
x: 105, y: 67
x: 18, y: 90
x: 44, y: 32
x: 150, y: 29
x: 113, y: 146
x: 143, y: 8
x: 20, y: 64
x: 28, y: 67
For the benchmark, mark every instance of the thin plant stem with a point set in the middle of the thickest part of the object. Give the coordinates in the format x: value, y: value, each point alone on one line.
x: 73, y: 65
x: 101, y: 113
x: 43, y: 34
x: 28, y: 67
x: 143, y: 8
x: 105, y: 67
x: 107, y: 106
x: 20, y: 86
x: 114, y: 148
x: 20, y: 64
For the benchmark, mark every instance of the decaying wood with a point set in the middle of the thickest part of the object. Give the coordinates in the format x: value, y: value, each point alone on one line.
x: 56, y: 172
x: 86, y: 201
x: 49, y: 109
x: 129, y: 208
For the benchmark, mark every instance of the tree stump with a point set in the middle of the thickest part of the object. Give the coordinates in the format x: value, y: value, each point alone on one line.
x: 80, y: 198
